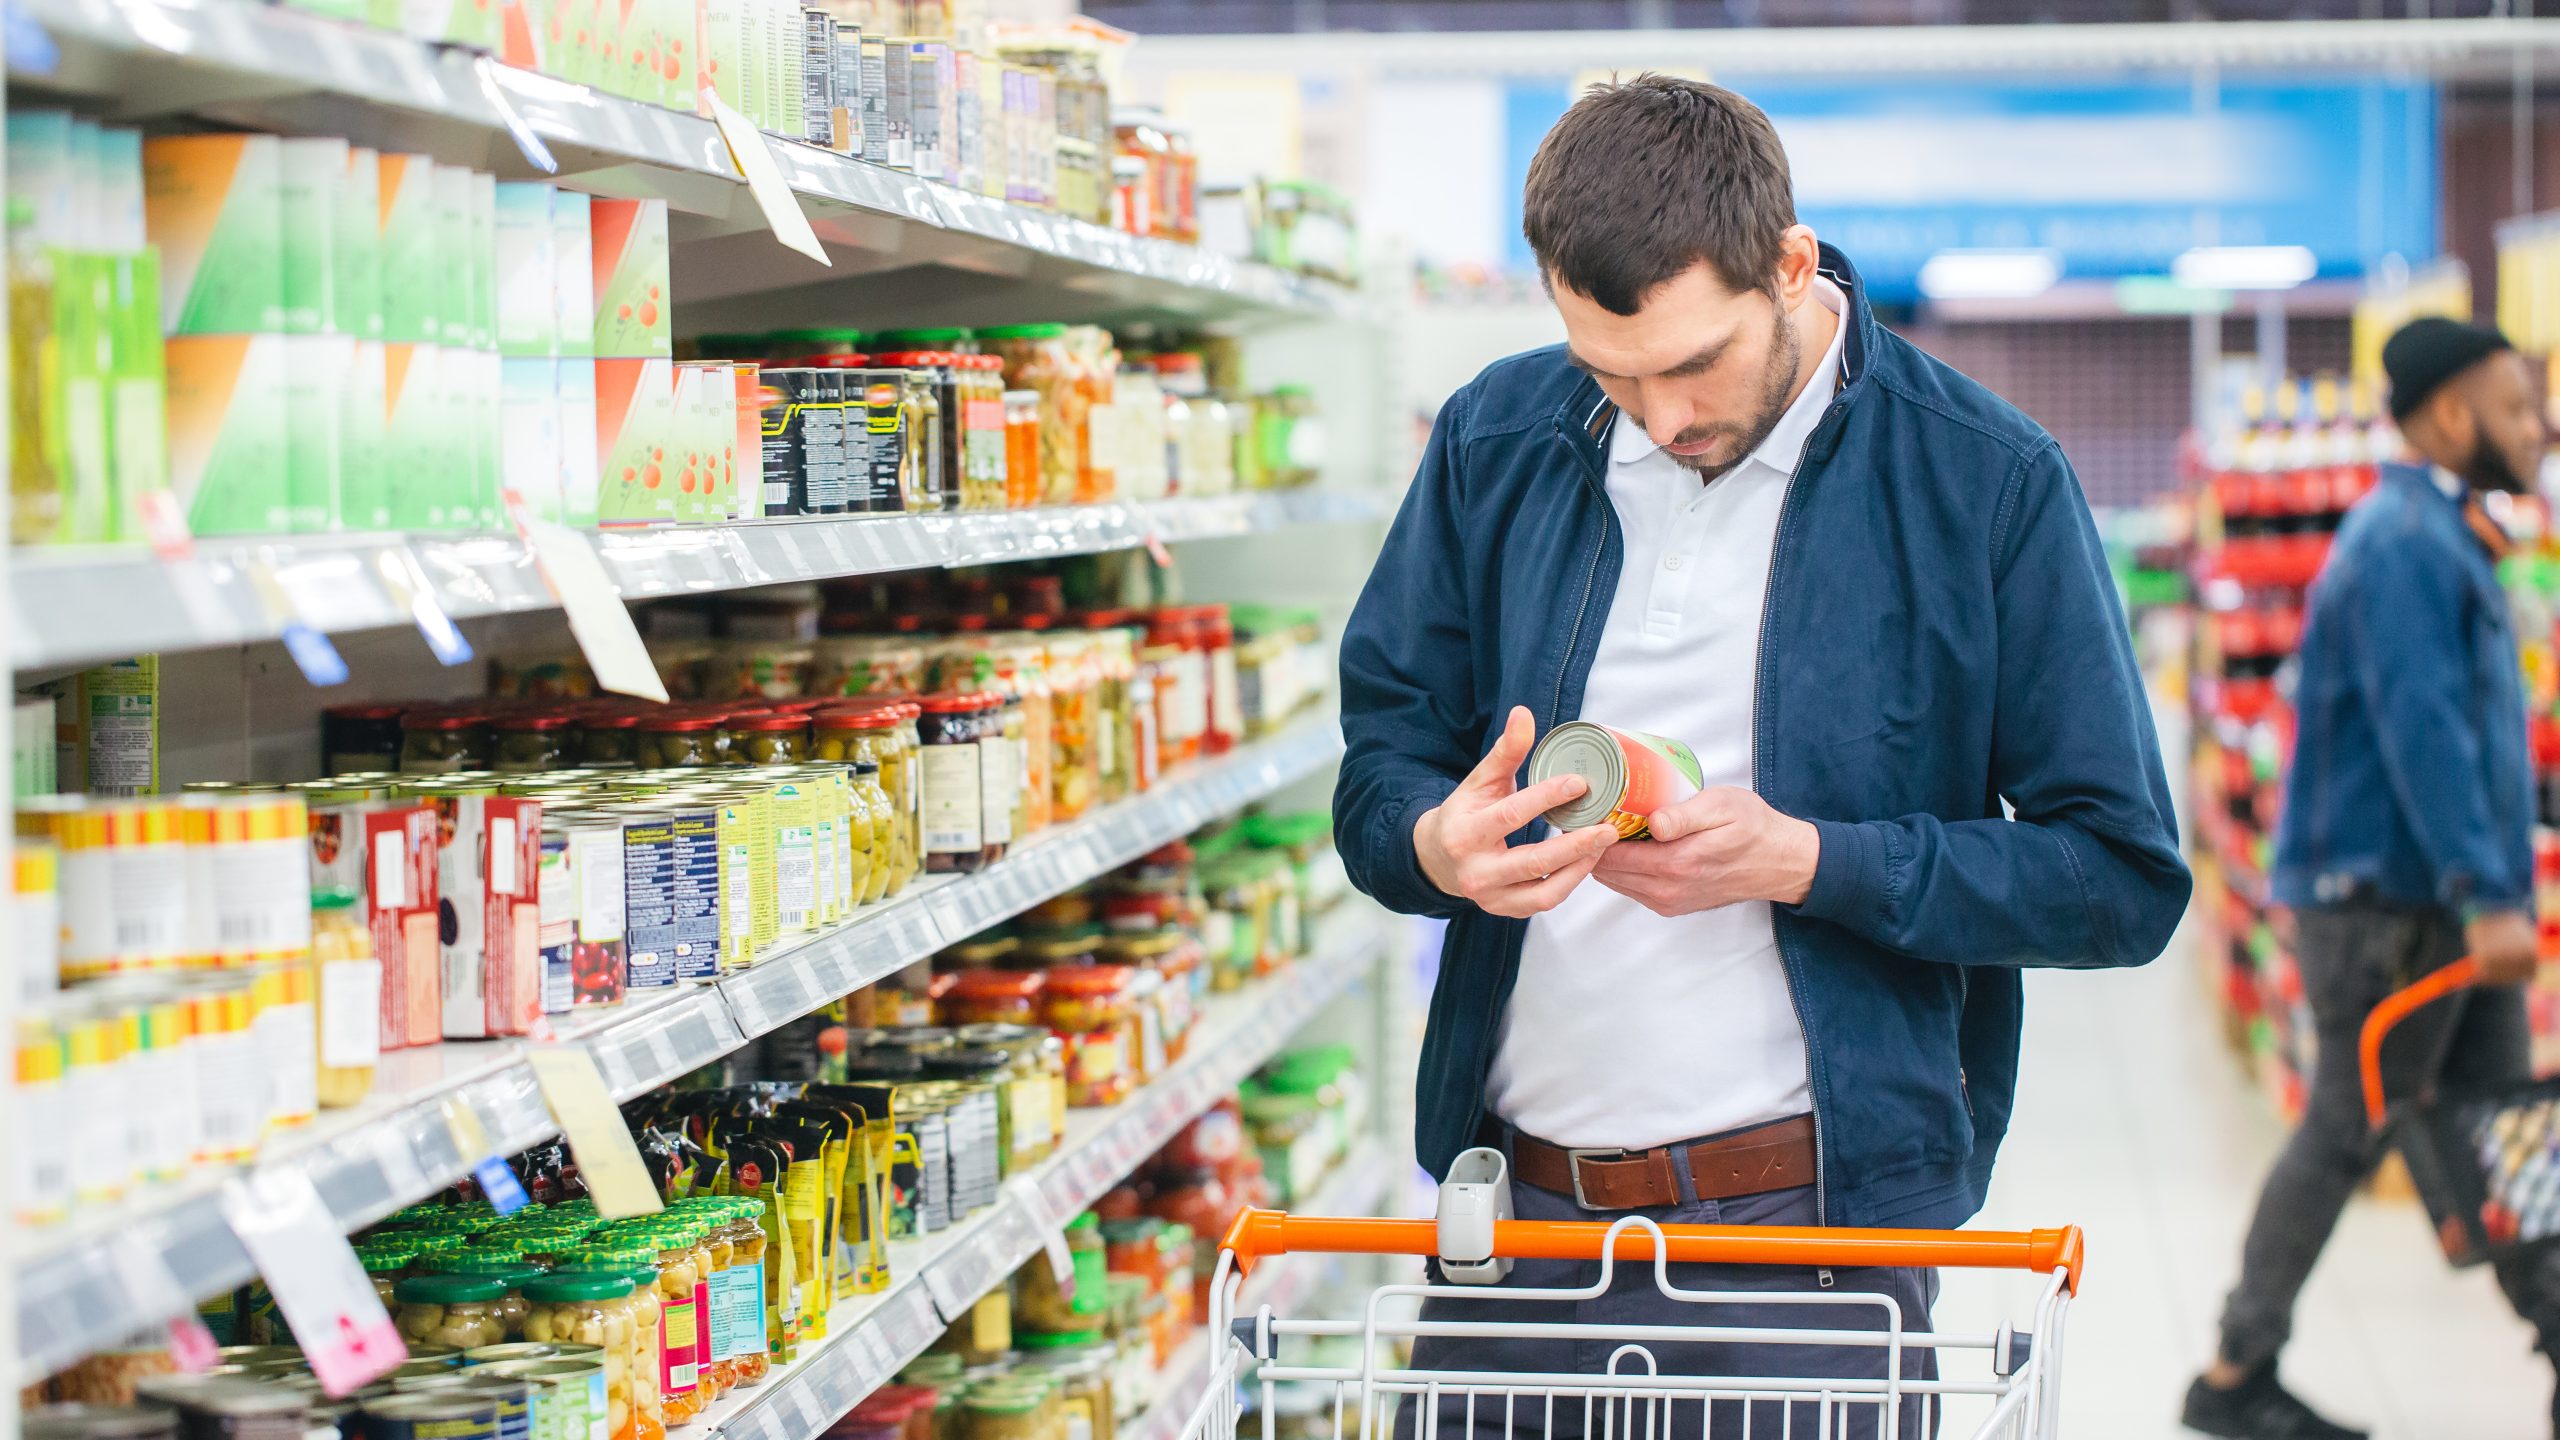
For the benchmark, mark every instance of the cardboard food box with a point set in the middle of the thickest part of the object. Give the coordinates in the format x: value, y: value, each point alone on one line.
x: 488, y: 867
x: 401, y: 909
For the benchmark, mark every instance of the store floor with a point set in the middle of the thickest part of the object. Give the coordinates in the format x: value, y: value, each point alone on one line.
x: 2136, y: 1123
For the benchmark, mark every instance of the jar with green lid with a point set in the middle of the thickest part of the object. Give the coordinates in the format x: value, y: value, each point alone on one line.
x: 457, y: 1310
x: 647, y: 1355
x: 676, y: 1276
x: 592, y: 1309
x: 1040, y: 1307
x: 503, y: 1264
x: 741, y: 1328
x: 384, y: 1265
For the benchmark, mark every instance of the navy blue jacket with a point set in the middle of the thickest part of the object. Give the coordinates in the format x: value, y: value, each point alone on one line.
x: 1940, y: 634
x: 2410, y: 779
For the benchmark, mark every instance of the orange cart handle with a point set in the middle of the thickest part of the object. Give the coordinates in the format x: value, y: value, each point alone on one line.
x: 1260, y: 1233
x: 2396, y: 1007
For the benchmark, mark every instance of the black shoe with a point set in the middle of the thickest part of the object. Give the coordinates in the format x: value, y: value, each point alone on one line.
x: 2258, y: 1408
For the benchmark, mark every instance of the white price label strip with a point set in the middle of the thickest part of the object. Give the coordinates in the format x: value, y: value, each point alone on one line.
x: 597, y: 616
x: 300, y: 1252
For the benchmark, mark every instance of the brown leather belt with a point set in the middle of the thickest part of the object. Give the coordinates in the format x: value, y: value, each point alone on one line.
x: 1776, y: 1156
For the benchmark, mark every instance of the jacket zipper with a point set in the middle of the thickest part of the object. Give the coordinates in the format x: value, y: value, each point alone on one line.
x: 1792, y: 964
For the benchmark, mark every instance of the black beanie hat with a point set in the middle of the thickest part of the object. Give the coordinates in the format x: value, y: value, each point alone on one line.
x: 2427, y: 352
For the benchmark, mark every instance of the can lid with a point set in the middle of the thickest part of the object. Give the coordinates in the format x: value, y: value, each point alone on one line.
x: 1587, y: 750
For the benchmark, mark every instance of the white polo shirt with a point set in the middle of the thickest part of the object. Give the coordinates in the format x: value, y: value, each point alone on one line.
x: 1628, y: 1030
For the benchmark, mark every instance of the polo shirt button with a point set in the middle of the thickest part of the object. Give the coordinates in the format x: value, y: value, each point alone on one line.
x: 1671, y: 562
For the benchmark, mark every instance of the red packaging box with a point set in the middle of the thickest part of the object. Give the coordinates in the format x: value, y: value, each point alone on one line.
x: 400, y: 907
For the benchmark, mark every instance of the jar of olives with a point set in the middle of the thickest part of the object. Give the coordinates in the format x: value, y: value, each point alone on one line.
x: 646, y: 1357
x: 768, y: 739
x: 890, y: 860
x: 746, y: 1279
x: 594, y: 1308
x: 442, y: 743
x: 502, y: 1263
x: 384, y: 1262
x: 678, y: 1279
x: 457, y: 1310
x: 607, y: 737
x: 523, y: 744
x: 678, y: 741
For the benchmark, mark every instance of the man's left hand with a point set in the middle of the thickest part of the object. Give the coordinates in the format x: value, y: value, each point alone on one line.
x: 1717, y: 847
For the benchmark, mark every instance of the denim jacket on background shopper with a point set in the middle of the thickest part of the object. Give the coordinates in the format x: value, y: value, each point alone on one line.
x: 1940, y: 633
x: 2410, y: 782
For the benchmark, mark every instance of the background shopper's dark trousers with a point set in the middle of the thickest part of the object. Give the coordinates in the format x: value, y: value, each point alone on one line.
x: 2351, y: 956
x: 1633, y: 1299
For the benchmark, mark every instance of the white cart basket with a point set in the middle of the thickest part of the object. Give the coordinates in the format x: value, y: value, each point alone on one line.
x: 2001, y: 1385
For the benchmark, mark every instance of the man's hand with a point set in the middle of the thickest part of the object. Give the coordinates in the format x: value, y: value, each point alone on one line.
x: 1460, y: 842
x: 2505, y: 945
x: 1715, y: 848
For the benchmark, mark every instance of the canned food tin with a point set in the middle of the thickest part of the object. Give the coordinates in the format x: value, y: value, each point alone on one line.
x: 1630, y: 775
x: 234, y: 1408
x: 517, y: 1350
x: 512, y: 1396
x: 585, y: 1407
x: 549, y: 1403
x: 98, y: 1422
x: 438, y: 1416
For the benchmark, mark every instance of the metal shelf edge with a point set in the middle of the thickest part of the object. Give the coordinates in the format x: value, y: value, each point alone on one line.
x: 92, y: 604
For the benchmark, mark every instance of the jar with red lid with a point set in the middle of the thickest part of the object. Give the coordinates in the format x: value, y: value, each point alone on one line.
x: 769, y: 739
x: 525, y: 743
x: 1092, y: 1009
x: 359, y: 739
x: 1216, y: 635
x: 443, y: 742
x: 992, y: 996
x: 1181, y: 657
x: 951, y: 773
x: 678, y: 742
x: 608, y: 738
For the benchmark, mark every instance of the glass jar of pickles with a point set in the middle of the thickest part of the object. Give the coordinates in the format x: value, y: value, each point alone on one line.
x: 608, y: 737
x: 742, y: 1223
x: 503, y: 1264
x: 523, y: 744
x: 385, y: 1262
x: 592, y: 1308
x: 677, y: 742
x: 891, y: 861
x: 442, y: 743
x: 457, y: 1310
x: 644, y: 1360
x: 768, y: 739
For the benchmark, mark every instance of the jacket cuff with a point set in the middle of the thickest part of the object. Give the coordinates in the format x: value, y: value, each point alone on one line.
x: 1411, y: 891
x: 1849, y: 877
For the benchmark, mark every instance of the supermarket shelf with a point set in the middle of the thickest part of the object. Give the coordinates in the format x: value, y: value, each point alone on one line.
x: 1359, y: 1186
x: 78, y: 605
x: 271, y: 68
x: 940, y: 1277
x: 115, y: 1270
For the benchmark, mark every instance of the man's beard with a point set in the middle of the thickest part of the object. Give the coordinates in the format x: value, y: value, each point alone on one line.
x: 1786, y: 351
x: 2489, y: 469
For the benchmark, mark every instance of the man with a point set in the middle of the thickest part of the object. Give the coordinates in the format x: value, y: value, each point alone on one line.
x: 1737, y: 511
x: 2406, y: 835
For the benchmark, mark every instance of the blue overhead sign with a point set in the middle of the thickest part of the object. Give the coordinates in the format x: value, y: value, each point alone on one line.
x: 2115, y: 179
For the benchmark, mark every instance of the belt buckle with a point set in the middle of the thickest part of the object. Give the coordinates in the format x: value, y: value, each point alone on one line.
x: 1573, y: 1166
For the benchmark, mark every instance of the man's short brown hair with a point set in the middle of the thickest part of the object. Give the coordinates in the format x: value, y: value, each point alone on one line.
x: 1642, y: 180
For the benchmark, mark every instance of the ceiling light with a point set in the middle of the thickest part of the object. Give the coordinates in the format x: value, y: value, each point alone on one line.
x: 1989, y: 274
x: 2245, y: 267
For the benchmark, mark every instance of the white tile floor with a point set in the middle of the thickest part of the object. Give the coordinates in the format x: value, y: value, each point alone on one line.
x: 2137, y: 1124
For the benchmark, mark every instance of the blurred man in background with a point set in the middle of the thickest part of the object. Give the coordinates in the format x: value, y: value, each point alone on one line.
x: 2406, y: 836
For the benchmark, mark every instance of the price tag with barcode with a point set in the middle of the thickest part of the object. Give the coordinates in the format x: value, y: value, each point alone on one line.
x: 334, y: 1311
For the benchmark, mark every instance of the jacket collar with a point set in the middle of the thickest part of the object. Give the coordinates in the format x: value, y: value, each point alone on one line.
x: 2421, y: 480
x: 1584, y: 418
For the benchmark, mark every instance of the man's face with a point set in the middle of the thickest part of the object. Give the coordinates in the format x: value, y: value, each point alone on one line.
x: 2506, y: 427
x: 1706, y: 370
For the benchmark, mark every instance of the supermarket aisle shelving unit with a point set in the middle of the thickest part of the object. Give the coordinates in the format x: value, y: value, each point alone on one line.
x: 905, y: 252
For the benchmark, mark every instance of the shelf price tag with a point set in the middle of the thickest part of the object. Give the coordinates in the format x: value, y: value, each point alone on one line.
x: 764, y: 179
x: 311, y: 651
x: 334, y: 1311
x: 408, y: 588
x: 498, y: 1184
x: 611, y: 1165
x: 597, y: 616
x: 1045, y: 1225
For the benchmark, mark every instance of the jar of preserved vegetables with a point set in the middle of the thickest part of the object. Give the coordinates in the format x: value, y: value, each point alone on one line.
x: 678, y: 742
x: 644, y: 1357
x: 385, y: 1263
x: 442, y: 743
x: 457, y: 1310
x: 991, y: 996
x: 608, y: 738
x: 1036, y: 359
x: 343, y: 972
x: 592, y: 1308
x: 1021, y: 447
x: 769, y: 740
x: 522, y: 744
x: 952, y: 779
x: 502, y: 1263
x: 870, y: 808
x: 741, y: 1218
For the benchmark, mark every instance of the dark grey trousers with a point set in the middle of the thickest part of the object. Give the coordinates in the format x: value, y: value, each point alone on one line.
x: 2351, y: 956
x: 1633, y: 1299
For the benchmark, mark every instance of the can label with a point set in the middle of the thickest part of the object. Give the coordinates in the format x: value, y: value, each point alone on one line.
x: 1659, y: 772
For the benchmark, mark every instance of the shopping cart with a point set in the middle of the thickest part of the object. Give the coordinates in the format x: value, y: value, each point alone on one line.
x: 2011, y: 1379
x: 2486, y: 1164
